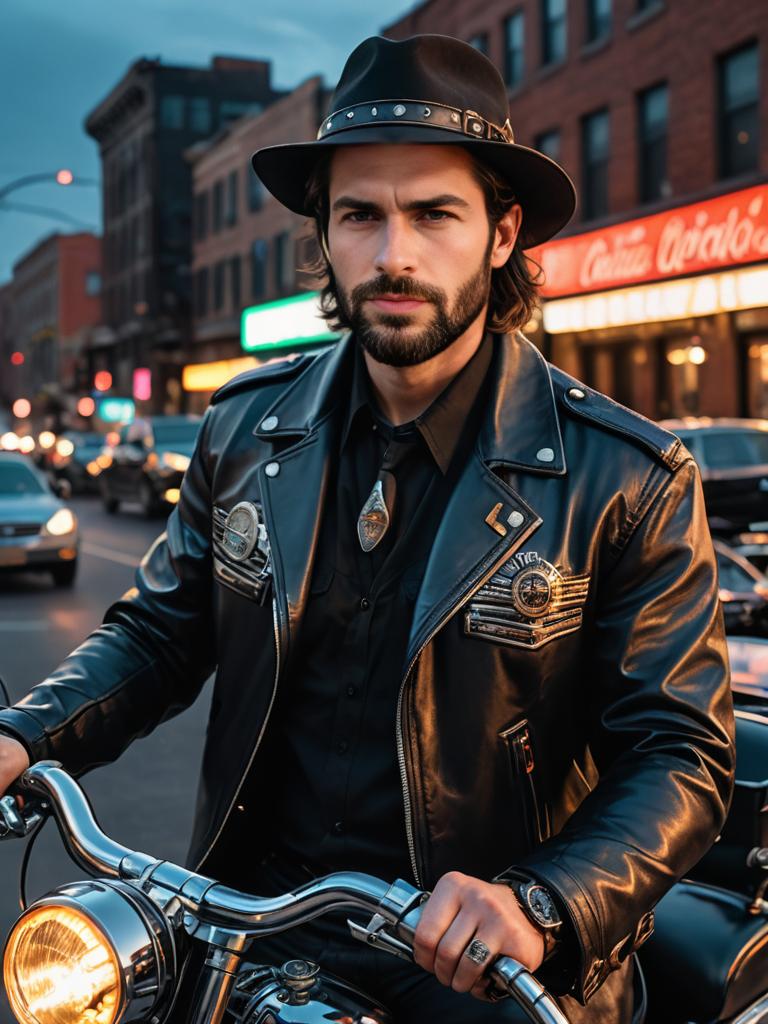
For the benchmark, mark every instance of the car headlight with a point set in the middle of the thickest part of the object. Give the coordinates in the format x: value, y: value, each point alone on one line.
x: 93, y: 951
x: 173, y: 460
x: 61, y: 522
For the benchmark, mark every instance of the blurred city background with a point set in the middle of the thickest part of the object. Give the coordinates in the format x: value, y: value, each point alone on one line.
x: 142, y: 265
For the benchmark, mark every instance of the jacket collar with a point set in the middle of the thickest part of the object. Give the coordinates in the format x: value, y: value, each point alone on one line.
x: 521, y: 428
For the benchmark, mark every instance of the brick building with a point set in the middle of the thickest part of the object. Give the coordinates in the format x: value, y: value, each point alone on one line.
x: 54, y: 306
x: 655, y: 109
x: 247, y: 247
x: 153, y: 114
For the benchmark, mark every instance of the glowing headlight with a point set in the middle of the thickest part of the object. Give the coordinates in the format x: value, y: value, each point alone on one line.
x: 93, y: 952
x: 61, y: 522
x: 172, y: 460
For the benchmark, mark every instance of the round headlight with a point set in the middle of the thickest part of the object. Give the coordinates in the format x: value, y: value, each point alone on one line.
x: 61, y: 523
x: 93, y: 951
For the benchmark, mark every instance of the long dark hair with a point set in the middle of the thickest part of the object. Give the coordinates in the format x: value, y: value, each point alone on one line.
x: 514, y: 287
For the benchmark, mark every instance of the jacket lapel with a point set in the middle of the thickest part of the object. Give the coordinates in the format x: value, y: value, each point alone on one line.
x: 486, y: 521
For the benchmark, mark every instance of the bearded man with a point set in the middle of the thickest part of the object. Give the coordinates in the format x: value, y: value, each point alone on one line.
x: 463, y: 609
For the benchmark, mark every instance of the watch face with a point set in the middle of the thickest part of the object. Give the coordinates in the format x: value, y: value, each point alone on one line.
x: 540, y: 904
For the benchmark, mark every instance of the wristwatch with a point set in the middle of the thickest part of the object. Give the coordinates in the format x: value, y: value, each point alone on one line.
x: 539, y: 907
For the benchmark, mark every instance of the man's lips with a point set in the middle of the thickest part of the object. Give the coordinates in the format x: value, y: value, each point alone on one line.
x: 397, y: 303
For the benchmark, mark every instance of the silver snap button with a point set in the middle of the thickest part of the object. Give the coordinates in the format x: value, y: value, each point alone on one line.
x: 399, y: 110
x: 269, y: 423
x: 576, y: 393
x: 515, y: 519
x: 545, y: 455
x: 272, y: 468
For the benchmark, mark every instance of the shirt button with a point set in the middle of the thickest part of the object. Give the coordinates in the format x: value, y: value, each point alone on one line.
x: 365, y: 604
x: 342, y: 747
x: 351, y: 691
x: 338, y: 828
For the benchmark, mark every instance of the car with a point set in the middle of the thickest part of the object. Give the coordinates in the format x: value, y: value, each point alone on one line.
x: 148, y: 462
x: 37, y: 529
x: 743, y: 592
x: 748, y: 656
x: 732, y: 455
x: 71, y: 456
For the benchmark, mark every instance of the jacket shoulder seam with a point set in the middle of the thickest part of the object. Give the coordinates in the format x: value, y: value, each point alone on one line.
x: 286, y: 369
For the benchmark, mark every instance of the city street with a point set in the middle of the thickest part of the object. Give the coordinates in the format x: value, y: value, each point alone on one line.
x: 146, y: 799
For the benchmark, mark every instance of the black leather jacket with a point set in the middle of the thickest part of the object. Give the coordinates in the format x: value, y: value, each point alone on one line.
x: 565, y: 704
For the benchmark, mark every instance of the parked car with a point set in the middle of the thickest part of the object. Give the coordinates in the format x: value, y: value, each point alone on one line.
x: 71, y: 456
x: 749, y: 672
x: 732, y: 455
x: 148, y: 463
x: 743, y: 593
x: 37, y: 529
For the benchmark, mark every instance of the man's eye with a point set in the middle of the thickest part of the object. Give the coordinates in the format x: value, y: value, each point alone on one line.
x: 435, y: 216
x: 358, y: 216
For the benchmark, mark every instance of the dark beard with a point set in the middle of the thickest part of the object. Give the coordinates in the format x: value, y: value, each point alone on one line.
x: 386, y: 341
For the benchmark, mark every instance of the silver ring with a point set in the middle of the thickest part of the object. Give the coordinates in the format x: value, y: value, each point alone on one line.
x: 477, y: 952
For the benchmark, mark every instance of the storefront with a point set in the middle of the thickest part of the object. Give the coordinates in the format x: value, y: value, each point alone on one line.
x: 271, y: 331
x: 668, y: 313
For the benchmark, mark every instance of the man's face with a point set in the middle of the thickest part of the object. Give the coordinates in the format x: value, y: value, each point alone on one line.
x: 411, y: 247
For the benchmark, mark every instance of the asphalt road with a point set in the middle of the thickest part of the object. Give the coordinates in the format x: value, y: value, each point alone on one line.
x: 146, y: 799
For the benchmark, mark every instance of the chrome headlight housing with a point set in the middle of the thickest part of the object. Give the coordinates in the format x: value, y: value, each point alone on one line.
x: 94, y: 951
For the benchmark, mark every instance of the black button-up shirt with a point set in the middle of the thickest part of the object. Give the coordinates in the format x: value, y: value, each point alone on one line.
x: 339, y: 798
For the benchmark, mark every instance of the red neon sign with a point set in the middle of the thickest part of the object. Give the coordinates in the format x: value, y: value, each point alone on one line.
x: 723, y: 232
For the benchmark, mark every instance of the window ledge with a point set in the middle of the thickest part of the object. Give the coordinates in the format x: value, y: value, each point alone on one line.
x: 595, y: 46
x: 640, y: 18
x: 547, y: 70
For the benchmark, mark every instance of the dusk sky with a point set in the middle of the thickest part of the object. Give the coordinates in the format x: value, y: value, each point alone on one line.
x: 57, y: 60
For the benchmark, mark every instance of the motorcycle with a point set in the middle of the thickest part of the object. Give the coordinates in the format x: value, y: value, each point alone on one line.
x: 111, y: 949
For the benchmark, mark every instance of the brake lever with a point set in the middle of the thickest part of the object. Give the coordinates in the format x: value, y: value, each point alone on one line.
x: 17, y: 822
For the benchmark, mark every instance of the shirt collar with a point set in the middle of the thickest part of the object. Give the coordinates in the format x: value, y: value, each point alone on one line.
x: 442, y: 424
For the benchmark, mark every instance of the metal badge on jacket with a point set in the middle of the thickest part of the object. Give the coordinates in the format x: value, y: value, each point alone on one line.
x: 241, y: 556
x: 527, y: 603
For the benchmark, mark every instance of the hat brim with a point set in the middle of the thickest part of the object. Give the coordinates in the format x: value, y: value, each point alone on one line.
x: 545, y: 192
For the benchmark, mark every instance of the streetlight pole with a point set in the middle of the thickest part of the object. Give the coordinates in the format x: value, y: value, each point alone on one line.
x: 61, y: 177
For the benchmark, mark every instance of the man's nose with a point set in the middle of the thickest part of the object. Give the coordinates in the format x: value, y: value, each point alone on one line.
x: 395, y: 254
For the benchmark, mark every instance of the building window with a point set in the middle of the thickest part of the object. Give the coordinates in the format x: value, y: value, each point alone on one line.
x: 201, y: 292
x: 254, y: 189
x: 234, y: 272
x: 201, y: 215
x: 218, y: 285
x: 218, y: 206
x: 598, y: 19
x: 480, y: 42
x: 553, y: 31
x: 514, y: 42
x: 230, y: 213
x: 258, y: 268
x: 230, y: 110
x: 549, y: 143
x: 739, y: 96
x: 283, y: 256
x: 172, y: 112
x: 653, y: 117
x: 93, y: 283
x: 594, y: 164
x: 200, y: 115
x: 647, y: 5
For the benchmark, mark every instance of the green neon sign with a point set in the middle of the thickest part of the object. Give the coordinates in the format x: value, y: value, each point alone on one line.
x: 284, y: 323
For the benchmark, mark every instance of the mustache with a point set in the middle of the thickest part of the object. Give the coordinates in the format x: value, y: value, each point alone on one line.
x: 405, y: 286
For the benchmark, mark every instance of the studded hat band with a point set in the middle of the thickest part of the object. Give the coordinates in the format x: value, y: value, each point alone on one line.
x: 426, y: 114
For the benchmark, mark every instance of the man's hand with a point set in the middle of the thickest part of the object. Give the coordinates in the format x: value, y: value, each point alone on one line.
x: 13, y: 762
x: 461, y: 909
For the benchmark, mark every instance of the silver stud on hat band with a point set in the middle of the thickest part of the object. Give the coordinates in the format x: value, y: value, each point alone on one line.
x: 466, y: 122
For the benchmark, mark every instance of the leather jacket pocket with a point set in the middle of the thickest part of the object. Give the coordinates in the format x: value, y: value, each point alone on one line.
x: 518, y: 742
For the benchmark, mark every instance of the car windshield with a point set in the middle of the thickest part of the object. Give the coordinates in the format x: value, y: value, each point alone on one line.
x: 175, y: 432
x: 17, y: 479
x: 735, y: 448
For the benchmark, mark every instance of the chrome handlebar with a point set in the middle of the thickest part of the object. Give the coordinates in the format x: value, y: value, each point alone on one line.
x: 208, y: 905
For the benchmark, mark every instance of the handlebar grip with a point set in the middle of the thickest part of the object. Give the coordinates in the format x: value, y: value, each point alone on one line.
x: 528, y: 993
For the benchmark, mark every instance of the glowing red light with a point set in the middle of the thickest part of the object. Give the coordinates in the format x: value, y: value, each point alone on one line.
x: 86, y: 406
x: 17, y: 358
x: 103, y: 380
x: 142, y: 384
x: 64, y: 177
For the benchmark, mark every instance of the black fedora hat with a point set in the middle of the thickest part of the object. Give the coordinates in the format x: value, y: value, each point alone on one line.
x: 427, y: 89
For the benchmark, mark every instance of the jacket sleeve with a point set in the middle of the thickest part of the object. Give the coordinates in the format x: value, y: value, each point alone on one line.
x: 149, y: 658
x: 658, y: 685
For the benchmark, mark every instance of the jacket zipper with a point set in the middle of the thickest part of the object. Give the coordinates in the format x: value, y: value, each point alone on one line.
x: 258, y: 739
x: 521, y: 746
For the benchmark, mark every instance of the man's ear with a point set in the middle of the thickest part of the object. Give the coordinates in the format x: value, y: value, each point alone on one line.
x: 507, y: 231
